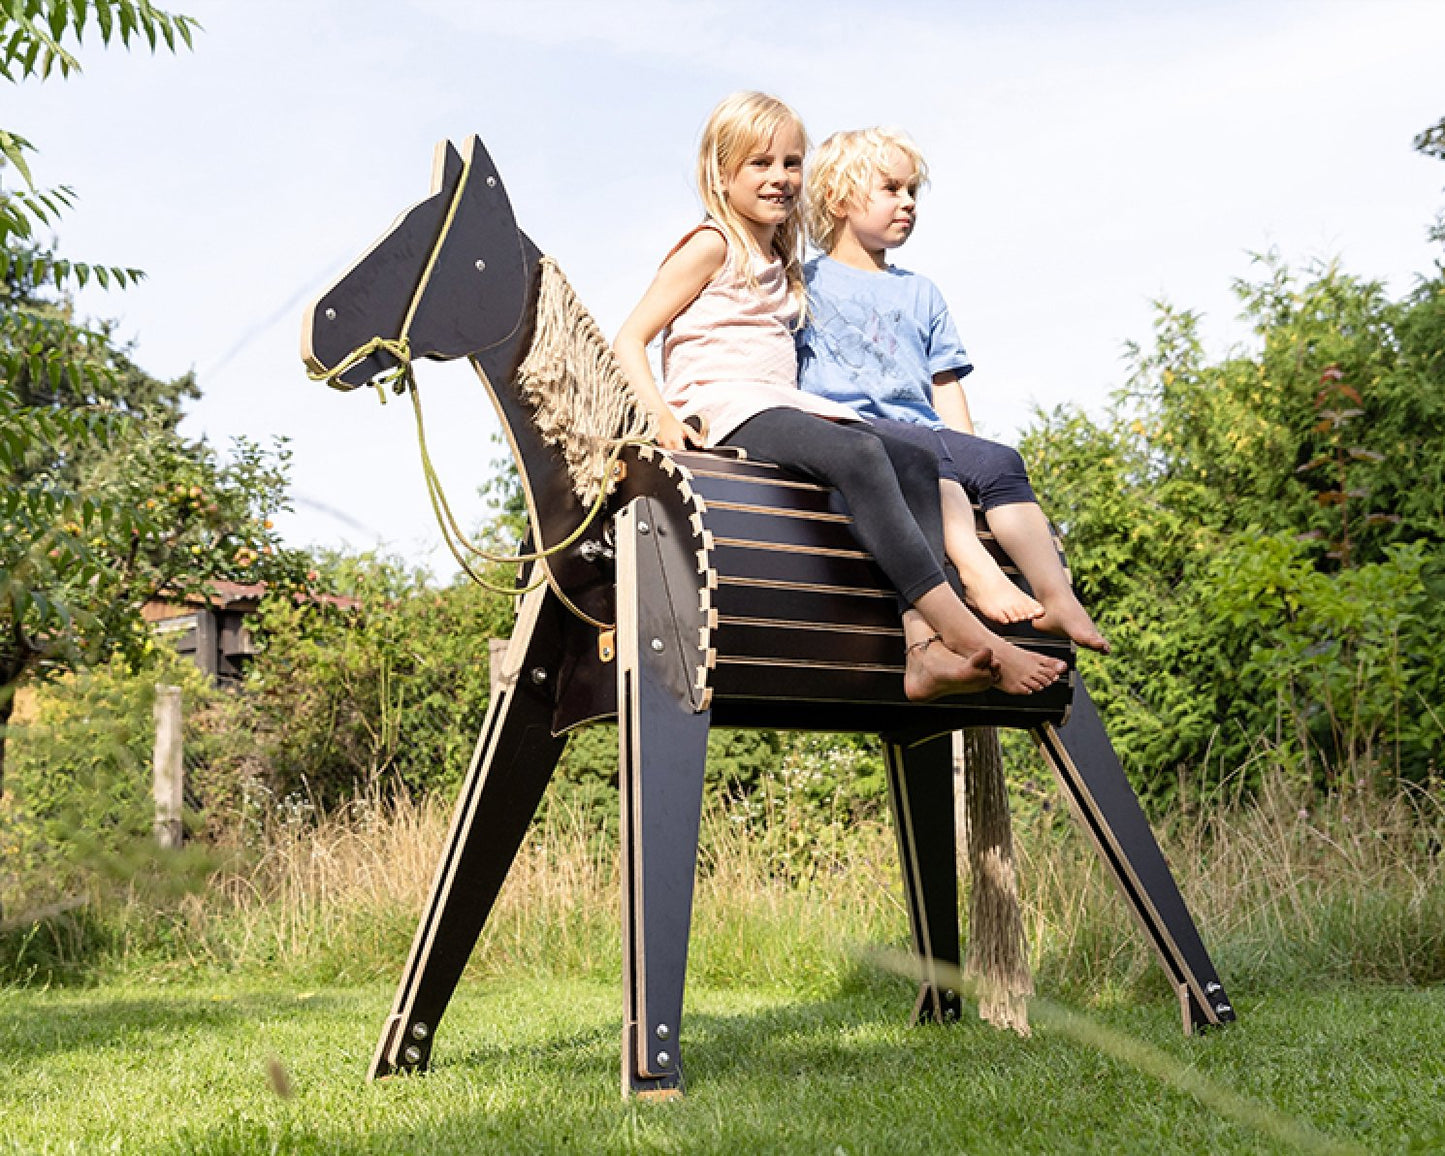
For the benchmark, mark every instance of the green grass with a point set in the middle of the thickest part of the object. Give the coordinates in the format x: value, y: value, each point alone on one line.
x: 531, y: 1066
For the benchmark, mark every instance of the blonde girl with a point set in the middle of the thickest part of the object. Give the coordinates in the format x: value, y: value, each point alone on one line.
x: 729, y: 296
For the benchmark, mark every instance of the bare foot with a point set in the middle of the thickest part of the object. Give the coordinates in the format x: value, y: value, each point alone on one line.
x: 932, y: 670
x: 998, y: 599
x: 1067, y: 618
x: 1023, y: 672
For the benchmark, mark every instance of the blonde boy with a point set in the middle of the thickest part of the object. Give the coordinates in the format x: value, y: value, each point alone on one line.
x: 881, y: 340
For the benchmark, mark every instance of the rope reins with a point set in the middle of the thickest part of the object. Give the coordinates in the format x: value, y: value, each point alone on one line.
x: 542, y: 377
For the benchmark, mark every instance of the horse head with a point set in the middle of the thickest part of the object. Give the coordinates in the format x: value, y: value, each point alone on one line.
x: 451, y: 276
x: 456, y: 277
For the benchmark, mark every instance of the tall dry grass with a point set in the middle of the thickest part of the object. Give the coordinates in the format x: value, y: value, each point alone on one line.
x: 1286, y: 887
x: 1284, y: 890
x: 338, y: 898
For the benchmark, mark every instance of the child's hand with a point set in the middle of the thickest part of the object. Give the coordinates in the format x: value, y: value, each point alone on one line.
x: 674, y: 435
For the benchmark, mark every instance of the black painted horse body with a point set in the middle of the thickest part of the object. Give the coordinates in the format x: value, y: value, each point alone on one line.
x: 739, y: 598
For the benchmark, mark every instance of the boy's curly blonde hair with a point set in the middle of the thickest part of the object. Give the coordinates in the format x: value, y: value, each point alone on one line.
x: 841, y: 171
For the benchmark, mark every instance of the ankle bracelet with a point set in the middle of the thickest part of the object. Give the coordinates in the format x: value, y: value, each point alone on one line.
x: 924, y: 645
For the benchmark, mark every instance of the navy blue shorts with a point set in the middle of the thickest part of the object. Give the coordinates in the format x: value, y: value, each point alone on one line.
x: 991, y: 473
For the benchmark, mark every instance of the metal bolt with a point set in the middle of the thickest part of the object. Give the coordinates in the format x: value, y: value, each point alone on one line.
x: 643, y: 528
x: 419, y: 1031
x: 539, y: 675
x: 950, y: 996
x: 1222, y: 1009
x: 331, y: 315
x: 663, y: 1059
x: 481, y: 265
x: 412, y: 1055
x: 1211, y: 988
x: 663, y: 1031
x: 657, y: 645
x: 491, y: 182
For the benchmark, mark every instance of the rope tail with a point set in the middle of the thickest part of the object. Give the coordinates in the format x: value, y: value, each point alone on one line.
x: 997, y: 949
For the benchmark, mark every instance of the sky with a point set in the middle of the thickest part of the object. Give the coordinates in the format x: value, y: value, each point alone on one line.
x: 1088, y: 158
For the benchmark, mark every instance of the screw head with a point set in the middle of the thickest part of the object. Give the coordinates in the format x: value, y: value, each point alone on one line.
x: 491, y: 182
x: 950, y: 996
x: 481, y: 265
x: 539, y: 675
x: 419, y: 1031
x: 412, y: 1055
x: 331, y: 315
x: 643, y: 528
x: 657, y: 645
x: 663, y: 1059
x: 663, y: 1031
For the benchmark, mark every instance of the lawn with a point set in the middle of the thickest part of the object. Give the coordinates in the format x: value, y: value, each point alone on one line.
x: 531, y: 1066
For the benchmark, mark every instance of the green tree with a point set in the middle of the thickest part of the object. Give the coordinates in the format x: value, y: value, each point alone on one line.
x: 103, y: 503
x: 387, y: 687
x: 1262, y: 535
x: 1431, y: 141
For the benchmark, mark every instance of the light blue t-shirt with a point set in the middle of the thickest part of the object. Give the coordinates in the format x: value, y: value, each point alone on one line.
x: 874, y: 340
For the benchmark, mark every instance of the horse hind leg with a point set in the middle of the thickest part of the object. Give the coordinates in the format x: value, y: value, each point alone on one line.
x: 920, y: 789
x: 1105, y: 805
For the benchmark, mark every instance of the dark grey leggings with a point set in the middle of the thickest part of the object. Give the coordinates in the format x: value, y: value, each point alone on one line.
x: 890, y: 485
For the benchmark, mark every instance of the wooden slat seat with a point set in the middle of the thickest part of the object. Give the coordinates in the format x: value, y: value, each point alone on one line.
x: 803, y: 614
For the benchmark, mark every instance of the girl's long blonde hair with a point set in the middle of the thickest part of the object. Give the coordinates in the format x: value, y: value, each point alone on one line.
x: 739, y: 127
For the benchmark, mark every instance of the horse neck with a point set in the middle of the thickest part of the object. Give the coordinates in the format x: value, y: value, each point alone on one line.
x: 554, y: 508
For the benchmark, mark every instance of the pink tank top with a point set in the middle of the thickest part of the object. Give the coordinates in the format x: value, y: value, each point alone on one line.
x: 730, y: 355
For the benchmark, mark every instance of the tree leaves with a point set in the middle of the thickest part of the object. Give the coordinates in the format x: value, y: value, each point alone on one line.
x: 102, y: 503
x: 1257, y: 535
x: 32, y: 32
x: 14, y: 147
x: 1431, y: 141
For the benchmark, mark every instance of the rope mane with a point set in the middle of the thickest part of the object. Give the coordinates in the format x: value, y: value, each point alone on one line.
x: 582, y: 403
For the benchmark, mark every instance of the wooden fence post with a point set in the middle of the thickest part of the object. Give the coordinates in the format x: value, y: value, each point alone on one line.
x: 169, y: 766
x: 496, y: 655
x: 960, y: 803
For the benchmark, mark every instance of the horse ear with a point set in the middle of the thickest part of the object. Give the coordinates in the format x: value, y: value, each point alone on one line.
x: 446, y: 166
x: 483, y: 168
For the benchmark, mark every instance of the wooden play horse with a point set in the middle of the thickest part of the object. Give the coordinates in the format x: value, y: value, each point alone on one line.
x: 682, y: 590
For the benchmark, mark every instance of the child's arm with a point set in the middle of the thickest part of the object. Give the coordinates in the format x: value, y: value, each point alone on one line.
x: 684, y: 273
x: 950, y: 402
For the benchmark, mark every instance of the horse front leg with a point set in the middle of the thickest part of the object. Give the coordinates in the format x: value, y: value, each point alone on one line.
x: 511, y: 766
x: 662, y: 739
